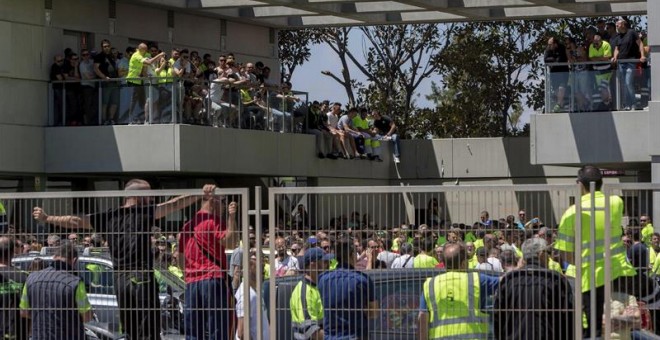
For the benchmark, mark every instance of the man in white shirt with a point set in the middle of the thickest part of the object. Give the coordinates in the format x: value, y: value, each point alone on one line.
x: 406, y: 258
x: 240, y: 304
x: 284, y: 263
x: 337, y: 134
x: 493, y: 259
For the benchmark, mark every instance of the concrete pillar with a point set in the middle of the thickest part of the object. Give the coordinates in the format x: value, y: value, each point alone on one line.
x: 653, y: 11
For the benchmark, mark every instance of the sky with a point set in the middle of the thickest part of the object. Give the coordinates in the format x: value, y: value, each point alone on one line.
x: 308, y: 77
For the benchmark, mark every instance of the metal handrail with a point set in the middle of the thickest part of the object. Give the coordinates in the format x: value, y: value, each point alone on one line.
x: 269, y: 98
x: 591, y: 62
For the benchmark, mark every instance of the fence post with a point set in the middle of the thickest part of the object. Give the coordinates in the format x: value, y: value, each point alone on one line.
x: 577, y: 259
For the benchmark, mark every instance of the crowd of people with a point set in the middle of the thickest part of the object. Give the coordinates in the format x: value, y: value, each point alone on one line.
x: 146, y: 85
x: 515, y: 269
x: 590, y: 67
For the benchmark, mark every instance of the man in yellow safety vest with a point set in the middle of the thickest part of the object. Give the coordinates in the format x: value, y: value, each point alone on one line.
x: 450, y: 305
x: 621, y: 271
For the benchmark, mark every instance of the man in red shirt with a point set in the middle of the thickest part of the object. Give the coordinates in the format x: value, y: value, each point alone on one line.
x: 203, y: 241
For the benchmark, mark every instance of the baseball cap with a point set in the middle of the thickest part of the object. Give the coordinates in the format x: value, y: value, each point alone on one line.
x: 314, y: 255
x: 312, y: 241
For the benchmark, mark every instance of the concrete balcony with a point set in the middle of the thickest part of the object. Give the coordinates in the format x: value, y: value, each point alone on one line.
x: 616, y: 139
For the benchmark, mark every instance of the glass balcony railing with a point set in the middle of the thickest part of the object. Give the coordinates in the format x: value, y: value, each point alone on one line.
x: 597, y: 86
x: 176, y: 101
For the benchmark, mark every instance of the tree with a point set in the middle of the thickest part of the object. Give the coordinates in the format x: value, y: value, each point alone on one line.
x: 397, y: 58
x: 486, y: 72
x: 293, y: 50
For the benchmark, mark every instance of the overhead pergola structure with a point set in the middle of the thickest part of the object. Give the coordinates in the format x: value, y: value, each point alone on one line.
x: 307, y: 13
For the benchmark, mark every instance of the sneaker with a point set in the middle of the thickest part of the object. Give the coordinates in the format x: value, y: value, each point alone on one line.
x: 332, y: 156
x: 321, y: 155
x: 377, y: 159
x: 626, y: 108
x: 396, y: 159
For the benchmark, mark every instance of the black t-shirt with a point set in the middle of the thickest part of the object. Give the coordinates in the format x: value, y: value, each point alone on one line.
x: 11, y: 287
x: 627, y: 44
x: 56, y: 70
x: 128, y: 231
x: 107, y: 65
x: 383, y: 124
x: 557, y: 55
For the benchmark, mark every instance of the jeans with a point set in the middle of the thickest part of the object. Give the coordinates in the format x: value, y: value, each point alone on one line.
x: 207, y: 314
x: 395, y: 140
x: 627, y: 83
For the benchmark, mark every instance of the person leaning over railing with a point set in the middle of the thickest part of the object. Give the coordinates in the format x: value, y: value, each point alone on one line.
x: 600, y: 50
x: 128, y: 236
x: 139, y: 60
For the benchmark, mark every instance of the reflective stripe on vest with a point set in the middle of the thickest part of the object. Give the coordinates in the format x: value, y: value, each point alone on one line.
x: 475, y: 322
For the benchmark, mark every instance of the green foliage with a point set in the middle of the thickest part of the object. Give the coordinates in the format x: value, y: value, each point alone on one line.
x: 485, y: 73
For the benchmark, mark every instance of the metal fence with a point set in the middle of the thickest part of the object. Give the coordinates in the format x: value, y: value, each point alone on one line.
x: 597, y: 86
x: 399, y: 238
x: 167, y: 100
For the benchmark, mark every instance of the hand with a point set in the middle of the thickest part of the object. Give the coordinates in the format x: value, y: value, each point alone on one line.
x: 208, y: 190
x: 370, y: 254
x: 39, y: 214
x: 232, y: 209
x: 642, y: 59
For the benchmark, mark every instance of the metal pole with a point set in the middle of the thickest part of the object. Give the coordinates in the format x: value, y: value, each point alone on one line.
x: 63, y: 104
x: 246, y: 278
x: 149, y: 103
x: 592, y: 259
x: 617, y: 87
x: 608, y: 269
x: 100, y: 102
x: 577, y: 259
x: 271, y: 258
x: 260, y: 266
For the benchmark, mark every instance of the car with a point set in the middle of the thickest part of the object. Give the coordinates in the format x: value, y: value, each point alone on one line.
x: 397, y: 291
x: 94, y: 267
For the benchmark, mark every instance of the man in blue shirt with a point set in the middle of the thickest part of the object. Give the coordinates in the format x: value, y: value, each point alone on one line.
x: 348, y: 297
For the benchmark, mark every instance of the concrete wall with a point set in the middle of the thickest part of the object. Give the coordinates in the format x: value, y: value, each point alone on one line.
x: 34, y: 41
x: 592, y: 137
x: 204, y: 150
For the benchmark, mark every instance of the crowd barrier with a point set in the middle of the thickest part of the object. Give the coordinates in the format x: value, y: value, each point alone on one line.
x: 276, y: 228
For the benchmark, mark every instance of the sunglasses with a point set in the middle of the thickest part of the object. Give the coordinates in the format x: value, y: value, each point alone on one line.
x: 326, y: 247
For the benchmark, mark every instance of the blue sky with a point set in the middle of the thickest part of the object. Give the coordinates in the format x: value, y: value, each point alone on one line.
x: 320, y: 87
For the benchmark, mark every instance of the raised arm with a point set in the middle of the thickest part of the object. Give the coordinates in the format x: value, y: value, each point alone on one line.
x: 181, y: 202
x: 232, y: 234
x: 68, y: 221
